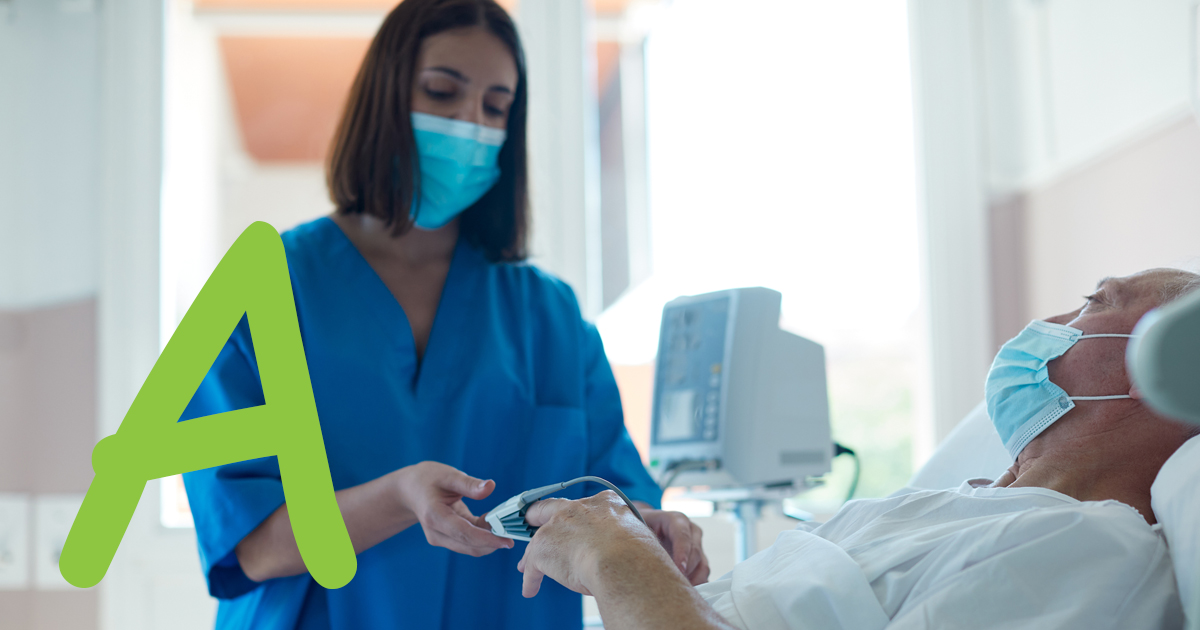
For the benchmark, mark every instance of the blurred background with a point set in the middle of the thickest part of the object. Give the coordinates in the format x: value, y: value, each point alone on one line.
x: 918, y: 180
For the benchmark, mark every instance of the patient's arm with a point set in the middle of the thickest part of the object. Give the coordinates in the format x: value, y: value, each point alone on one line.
x: 596, y: 546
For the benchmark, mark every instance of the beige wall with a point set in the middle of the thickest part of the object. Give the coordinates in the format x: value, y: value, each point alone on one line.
x: 1133, y: 208
x: 47, y: 430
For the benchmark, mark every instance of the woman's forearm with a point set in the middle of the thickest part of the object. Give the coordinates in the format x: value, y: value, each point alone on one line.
x: 373, y: 512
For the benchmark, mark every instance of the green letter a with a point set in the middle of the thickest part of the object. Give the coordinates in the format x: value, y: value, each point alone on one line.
x: 251, y: 279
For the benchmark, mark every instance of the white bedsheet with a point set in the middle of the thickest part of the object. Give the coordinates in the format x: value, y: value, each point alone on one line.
x: 963, y: 558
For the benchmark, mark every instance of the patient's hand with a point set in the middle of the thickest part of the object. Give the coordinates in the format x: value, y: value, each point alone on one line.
x: 578, y: 539
x: 596, y: 546
x: 1007, y: 478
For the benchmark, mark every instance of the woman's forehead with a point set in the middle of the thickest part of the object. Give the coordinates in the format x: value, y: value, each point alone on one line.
x: 473, y: 54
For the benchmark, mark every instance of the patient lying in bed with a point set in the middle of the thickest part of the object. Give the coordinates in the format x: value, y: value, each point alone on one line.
x: 1065, y: 538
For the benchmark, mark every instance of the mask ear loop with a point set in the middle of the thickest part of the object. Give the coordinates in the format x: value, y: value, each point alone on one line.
x: 1117, y: 397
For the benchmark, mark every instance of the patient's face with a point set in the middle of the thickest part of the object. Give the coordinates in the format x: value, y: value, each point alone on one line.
x: 1096, y: 367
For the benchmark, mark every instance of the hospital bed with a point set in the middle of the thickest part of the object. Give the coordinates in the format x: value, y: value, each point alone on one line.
x: 973, y: 450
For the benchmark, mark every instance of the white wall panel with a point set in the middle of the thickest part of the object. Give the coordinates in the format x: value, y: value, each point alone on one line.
x: 955, y: 270
x: 1116, y: 66
x: 1067, y: 82
x: 49, y: 143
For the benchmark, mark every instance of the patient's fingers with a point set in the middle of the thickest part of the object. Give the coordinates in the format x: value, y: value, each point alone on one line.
x: 542, y: 511
x: 532, y: 582
x: 1006, y: 479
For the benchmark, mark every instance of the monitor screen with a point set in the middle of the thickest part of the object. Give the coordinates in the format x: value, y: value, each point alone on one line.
x: 688, y: 377
x: 677, y: 416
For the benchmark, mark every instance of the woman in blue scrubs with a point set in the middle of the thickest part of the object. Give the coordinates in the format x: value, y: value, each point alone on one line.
x: 448, y: 375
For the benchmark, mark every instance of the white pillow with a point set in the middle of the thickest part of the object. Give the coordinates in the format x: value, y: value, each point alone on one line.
x: 972, y: 450
x: 1175, y: 499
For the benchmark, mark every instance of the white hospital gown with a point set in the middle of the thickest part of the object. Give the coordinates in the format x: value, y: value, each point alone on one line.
x: 973, y: 557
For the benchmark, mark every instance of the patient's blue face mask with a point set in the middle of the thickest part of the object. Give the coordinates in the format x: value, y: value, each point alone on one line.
x: 458, y: 165
x: 1021, y: 400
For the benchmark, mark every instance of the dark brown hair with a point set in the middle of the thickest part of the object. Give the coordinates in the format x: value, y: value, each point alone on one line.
x: 373, y: 165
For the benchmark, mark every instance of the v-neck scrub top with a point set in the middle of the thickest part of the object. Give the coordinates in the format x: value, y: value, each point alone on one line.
x: 514, y: 386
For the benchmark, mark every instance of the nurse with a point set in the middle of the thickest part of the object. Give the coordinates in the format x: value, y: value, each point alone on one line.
x: 448, y: 375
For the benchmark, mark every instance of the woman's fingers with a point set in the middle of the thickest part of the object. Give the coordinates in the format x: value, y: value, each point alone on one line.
x: 459, y: 482
x: 462, y: 510
x: 698, y: 564
x: 682, y: 540
x: 448, y: 528
x: 479, y: 523
x: 678, y: 535
x: 680, y: 531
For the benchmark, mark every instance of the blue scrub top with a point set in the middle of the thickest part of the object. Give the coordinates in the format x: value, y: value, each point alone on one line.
x: 514, y: 386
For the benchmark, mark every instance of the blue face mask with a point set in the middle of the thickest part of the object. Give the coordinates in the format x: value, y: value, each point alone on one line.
x: 458, y: 165
x: 1021, y: 400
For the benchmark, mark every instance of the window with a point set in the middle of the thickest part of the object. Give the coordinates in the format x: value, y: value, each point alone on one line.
x: 779, y: 151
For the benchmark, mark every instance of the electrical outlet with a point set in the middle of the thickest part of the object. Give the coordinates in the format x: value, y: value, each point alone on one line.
x: 52, y: 518
x: 14, y: 542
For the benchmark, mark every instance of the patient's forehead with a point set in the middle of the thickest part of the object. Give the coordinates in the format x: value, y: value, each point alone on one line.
x: 1142, y: 288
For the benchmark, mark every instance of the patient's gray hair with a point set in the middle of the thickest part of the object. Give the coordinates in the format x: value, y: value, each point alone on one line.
x: 1180, y: 285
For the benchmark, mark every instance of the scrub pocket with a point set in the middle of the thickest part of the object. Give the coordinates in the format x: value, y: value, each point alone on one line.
x: 557, y: 449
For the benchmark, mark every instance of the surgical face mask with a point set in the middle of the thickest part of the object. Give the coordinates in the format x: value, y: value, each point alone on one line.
x: 458, y: 165
x: 1021, y: 400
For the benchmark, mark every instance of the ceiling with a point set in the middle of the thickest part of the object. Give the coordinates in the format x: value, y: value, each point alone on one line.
x: 600, y: 6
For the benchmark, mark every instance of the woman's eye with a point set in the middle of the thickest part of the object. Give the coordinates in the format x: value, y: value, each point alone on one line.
x: 439, y: 95
x: 496, y: 106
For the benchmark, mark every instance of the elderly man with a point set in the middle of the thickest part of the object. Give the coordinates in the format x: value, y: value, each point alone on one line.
x: 1065, y: 538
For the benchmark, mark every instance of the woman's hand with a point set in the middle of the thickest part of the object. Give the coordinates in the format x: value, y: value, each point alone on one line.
x: 681, y: 538
x: 434, y: 493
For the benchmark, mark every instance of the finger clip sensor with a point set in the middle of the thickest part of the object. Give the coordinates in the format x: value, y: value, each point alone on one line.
x: 508, y: 519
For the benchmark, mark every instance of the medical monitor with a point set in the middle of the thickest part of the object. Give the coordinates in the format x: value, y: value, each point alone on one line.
x: 1164, y: 358
x: 737, y: 401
